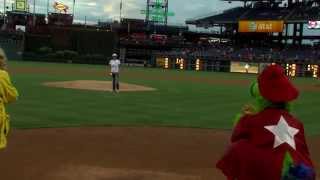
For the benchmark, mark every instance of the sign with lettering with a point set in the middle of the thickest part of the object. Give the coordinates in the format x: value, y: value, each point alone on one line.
x: 261, y: 26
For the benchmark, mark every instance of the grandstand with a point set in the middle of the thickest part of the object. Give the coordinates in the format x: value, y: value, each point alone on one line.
x: 259, y: 32
x: 291, y: 15
x: 263, y: 13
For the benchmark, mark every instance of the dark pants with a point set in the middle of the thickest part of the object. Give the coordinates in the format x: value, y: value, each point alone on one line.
x: 115, y: 81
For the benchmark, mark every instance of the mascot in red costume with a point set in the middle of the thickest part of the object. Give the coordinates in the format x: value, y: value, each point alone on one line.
x: 267, y: 142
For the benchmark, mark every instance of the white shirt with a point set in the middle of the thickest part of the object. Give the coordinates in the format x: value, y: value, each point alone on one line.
x: 114, y: 63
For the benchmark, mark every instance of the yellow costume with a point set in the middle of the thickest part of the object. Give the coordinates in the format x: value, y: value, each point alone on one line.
x: 8, y: 93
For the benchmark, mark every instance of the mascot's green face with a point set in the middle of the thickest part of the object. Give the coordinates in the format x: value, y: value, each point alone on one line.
x: 260, y: 102
x: 254, y: 90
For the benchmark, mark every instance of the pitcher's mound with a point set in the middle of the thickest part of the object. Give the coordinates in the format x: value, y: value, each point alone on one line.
x: 97, y: 85
x: 96, y: 173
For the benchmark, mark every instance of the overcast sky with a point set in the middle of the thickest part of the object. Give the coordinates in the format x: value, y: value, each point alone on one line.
x: 103, y: 10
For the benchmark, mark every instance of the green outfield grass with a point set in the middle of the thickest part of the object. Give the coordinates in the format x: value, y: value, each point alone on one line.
x: 183, y: 98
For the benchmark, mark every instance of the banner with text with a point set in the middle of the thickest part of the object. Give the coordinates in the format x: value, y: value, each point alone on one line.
x: 261, y: 26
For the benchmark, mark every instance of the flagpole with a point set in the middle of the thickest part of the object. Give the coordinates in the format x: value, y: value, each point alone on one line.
x: 120, y: 10
x: 47, y: 7
x: 34, y: 12
x: 74, y: 2
x: 4, y: 11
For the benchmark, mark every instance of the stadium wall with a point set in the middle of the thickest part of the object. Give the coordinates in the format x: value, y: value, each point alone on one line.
x: 78, y: 44
x: 293, y: 68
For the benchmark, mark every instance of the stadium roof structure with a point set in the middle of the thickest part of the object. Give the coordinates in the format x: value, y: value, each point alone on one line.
x: 260, y: 20
x: 230, y: 16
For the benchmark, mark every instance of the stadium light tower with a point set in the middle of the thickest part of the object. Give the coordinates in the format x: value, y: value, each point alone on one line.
x: 157, y: 11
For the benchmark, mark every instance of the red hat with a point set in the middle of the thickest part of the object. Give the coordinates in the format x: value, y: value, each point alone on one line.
x: 275, y: 86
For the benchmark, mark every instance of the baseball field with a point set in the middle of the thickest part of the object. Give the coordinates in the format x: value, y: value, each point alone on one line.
x: 164, y: 124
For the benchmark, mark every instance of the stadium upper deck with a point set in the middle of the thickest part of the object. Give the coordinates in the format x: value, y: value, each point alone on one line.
x: 300, y: 12
x: 281, y: 21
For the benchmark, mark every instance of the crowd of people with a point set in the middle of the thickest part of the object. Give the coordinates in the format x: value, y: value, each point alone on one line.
x: 230, y: 51
x: 251, y: 53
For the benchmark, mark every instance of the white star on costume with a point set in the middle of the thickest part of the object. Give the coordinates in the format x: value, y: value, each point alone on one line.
x: 283, y: 133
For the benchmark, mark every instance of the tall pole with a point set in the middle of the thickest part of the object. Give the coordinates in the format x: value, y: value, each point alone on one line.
x: 47, y: 7
x: 4, y: 11
x: 34, y: 6
x: 147, y: 14
x: 166, y: 12
x: 34, y: 12
x: 148, y: 11
x: 4, y: 6
x: 120, y: 11
x: 74, y: 3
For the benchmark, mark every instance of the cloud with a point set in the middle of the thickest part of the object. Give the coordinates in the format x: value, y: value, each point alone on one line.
x: 92, y: 4
x: 108, y: 8
x: 96, y: 13
x: 104, y: 9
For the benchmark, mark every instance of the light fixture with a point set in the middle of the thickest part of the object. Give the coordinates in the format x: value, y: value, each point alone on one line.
x: 315, y: 71
x: 247, y: 66
x: 181, y: 63
x: 197, y: 64
x: 166, y: 63
x: 293, y: 70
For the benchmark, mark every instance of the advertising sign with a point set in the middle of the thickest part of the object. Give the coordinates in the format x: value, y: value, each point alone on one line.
x: 21, y: 5
x: 261, y: 26
x: 60, y: 7
x: 314, y: 25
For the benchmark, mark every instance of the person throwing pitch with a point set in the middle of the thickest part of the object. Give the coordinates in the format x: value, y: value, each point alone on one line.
x: 114, y: 69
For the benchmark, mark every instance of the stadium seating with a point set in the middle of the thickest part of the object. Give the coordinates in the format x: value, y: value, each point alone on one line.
x: 303, y: 12
x: 225, y: 52
x: 266, y: 14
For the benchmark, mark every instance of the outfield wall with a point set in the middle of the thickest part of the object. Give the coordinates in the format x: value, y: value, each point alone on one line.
x: 292, y: 68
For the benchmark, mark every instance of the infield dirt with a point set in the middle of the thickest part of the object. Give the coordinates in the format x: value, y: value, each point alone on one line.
x: 112, y: 153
